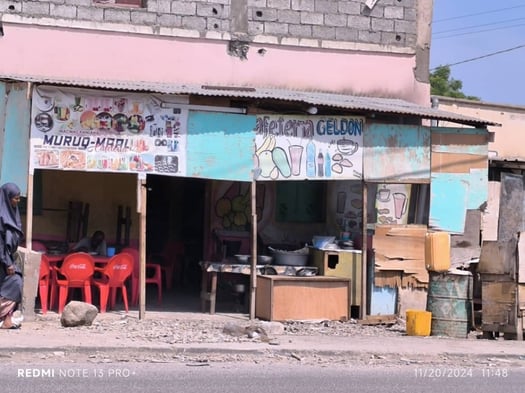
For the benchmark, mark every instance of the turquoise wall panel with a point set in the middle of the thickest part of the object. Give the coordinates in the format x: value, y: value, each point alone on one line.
x: 478, y: 188
x: 15, y: 152
x: 396, y: 152
x: 383, y: 301
x: 449, y: 194
x: 220, y: 146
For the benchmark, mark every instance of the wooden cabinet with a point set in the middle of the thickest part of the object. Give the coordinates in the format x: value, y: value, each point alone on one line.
x: 340, y: 263
x: 281, y: 298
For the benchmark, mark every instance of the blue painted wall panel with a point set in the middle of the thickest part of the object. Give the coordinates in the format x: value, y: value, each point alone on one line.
x: 220, y: 146
x: 478, y: 188
x: 396, y: 152
x: 383, y: 301
x: 449, y: 194
x: 15, y: 152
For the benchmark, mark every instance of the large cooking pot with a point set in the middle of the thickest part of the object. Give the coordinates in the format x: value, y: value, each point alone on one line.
x: 290, y: 258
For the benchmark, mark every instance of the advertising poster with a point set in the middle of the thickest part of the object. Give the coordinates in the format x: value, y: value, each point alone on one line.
x: 309, y: 147
x: 392, y: 202
x: 90, y: 130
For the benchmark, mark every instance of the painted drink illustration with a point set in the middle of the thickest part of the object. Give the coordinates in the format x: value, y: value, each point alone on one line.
x: 296, y: 152
x: 310, y: 159
x: 280, y: 159
x: 320, y: 165
x: 399, y: 204
x: 327, y: 165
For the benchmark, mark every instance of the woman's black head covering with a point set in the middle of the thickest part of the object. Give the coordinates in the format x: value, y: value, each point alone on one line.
x: 9, y: 215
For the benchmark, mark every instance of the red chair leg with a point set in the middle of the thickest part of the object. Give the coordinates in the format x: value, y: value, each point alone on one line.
x: 87, y: 293
x: 124, y: 297
x: 53, y: 295
x: 43, y: 292
x: 113, y: 297
x: 62, y: 297
x: 135, y: 292
x: 104, y: 294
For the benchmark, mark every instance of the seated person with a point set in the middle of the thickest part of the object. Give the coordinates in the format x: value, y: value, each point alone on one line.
x: 94, y: 244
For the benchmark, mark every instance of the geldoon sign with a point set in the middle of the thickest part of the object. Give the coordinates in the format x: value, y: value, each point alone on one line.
x: 309, y: 147
x: 90, y: 130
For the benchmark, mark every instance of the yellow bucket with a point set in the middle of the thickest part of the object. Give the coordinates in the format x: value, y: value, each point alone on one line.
x: 418, y: 322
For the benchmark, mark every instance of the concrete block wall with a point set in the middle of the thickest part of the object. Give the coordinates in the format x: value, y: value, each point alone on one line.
x: 317, y: 23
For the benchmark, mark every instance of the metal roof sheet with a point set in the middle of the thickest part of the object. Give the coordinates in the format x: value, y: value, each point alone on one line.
x: 322, y: 99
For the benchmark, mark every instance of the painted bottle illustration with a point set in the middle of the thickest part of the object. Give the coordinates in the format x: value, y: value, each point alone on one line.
x: 327, y: 165
x: 320, y: 165
x: 310, y: 159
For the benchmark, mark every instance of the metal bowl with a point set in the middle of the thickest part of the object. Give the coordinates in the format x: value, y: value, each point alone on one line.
x: 242, y: 259
x: 247, y: 259
x: 290, y: 258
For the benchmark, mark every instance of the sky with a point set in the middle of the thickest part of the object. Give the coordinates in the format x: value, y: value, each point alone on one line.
x: 468, y: 29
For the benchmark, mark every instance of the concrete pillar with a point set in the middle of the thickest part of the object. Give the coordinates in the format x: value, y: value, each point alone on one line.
x: 31, y: 271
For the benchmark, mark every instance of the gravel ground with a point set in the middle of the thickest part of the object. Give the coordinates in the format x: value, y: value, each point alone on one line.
x: 121, y: 329
x: 203, y: 328
x: 193, y: 329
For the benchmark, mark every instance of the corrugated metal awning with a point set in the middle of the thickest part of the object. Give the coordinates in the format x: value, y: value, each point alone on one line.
x: 392, y: 106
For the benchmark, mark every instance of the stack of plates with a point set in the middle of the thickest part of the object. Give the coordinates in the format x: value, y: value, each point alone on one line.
x: 346, y: 245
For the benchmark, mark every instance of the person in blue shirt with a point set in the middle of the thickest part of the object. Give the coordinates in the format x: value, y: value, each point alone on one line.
x: 96, y: 244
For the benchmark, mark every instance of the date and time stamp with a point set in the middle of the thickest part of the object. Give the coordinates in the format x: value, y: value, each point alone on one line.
x: 461, y: 372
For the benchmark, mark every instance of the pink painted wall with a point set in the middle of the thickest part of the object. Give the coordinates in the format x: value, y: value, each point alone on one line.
x: 82, y: 54
x: 509, y: 138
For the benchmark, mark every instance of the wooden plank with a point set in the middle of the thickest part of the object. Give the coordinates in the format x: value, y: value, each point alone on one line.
x: 464, y: 143
x: 400, y: 247
x: 498, y: 258
x: 490, y: 216
x: 511, y: 206
x: 378, y: 320
x: 498, y: 303
x: 401, y: 230
x: 141, y: 208
x: 457, y: 163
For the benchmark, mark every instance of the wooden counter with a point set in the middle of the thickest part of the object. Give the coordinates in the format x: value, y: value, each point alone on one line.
x: 281, y: 298
x: 341, y: 263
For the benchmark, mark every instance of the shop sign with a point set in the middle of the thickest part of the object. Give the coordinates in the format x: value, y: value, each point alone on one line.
x: 104, y: 131
x: 309, y: 147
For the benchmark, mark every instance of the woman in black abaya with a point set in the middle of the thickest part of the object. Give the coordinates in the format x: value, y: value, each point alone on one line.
x: 10, y: 273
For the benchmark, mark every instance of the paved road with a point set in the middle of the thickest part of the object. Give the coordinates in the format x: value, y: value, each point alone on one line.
x: 254, y: 378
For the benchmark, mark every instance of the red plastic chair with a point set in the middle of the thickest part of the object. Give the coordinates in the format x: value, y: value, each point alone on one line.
x: 114, y: 276
x: 171, y: 261
x: 46, y: 284
x: 153, y: 276
x: 77, y: 271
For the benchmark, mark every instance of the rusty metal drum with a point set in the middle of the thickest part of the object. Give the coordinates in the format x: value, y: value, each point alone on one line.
x: 449, y: 299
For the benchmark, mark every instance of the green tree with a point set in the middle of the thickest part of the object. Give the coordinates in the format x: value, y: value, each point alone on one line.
x: 442, y: 84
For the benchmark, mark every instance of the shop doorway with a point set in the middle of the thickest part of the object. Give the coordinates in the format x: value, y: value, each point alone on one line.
x: 175, y: 216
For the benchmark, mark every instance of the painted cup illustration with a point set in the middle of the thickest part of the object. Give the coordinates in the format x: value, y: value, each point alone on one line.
x: 383, y: 195
x: 347, y: 146
x: 296, y: 152
x: 399, y: 204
